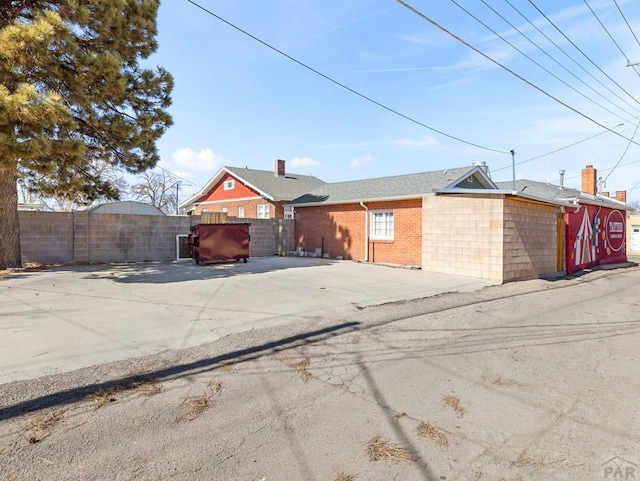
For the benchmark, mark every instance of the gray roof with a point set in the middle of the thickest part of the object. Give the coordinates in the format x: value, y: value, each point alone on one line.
x: 545, y: 190
x: 399, y: 186
x: 279, y: 188
x: 125, y: 207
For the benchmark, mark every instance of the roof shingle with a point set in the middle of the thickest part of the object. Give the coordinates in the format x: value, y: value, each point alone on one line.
x: 382, y: 188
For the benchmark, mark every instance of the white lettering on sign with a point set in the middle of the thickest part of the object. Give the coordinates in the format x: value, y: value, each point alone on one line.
x: 616, y: 227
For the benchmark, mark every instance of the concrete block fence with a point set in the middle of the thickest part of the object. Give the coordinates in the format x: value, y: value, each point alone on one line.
x: 81, y: 237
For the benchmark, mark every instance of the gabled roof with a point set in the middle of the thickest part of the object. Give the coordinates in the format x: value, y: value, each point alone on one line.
x: 262, y: 181
x: 408, y: 186
x: 553, y: 192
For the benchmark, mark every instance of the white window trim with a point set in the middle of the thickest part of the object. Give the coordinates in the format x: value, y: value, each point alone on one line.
x: 241, y: 212
x: 229, y: 184
x: 372, y: 234
x: 289, y: 212
x: 266, y: 207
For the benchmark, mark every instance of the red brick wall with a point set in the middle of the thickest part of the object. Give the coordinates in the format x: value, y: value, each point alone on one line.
x: 343, y: 230
x: 276, y: 211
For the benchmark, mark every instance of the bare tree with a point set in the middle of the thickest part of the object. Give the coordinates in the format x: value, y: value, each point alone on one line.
x: 115, y: 186
x: 158, y: 188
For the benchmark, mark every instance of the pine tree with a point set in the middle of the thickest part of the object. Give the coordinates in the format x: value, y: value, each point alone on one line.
x: 72, y: 90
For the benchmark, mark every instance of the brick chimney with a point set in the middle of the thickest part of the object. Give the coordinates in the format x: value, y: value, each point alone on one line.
x: 279, y: 168
x: 621, y: 195
x: 589, y: 181
x: 605, y: 194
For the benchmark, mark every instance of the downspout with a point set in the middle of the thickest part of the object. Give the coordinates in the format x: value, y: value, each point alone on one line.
x: 366, y: 231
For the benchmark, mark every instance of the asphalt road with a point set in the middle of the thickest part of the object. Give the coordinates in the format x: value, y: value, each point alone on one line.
x: 535, y: 380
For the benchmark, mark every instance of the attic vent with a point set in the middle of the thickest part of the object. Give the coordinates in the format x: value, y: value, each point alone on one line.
x: 470, y: 179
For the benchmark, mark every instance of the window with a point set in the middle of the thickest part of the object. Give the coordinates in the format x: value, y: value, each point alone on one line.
x: 229, y: 184
x: 381, y: 225
x: 288, y: 212
x: 263, y: 211
x: 225, y: 210
x: 241, y: 211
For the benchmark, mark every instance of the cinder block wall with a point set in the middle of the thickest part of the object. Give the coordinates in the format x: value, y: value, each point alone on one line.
x: 530, y: 239
x: 126, y: 238
x: 65, y: 237
x: 269, y: 236
x: 46, y: 237
x: 463, y: 235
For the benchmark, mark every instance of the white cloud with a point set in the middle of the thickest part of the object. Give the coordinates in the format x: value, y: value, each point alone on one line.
x: 205, y: 159
x: 360, y: 161
x: 304, y: 162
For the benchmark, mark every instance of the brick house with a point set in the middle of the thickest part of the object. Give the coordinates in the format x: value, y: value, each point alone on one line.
x: 376, y: 220
x: 458, y: 221
x: 250, y: 193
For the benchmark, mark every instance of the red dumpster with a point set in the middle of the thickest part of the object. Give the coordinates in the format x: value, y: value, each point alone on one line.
x: 219, y: 242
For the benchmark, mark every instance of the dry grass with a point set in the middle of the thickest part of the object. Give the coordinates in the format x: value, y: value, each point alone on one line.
x: 303, y: 368
x: 380, y: 449
x: 528, y: 460
x: 215, y: 385
x: 196, y: 405
x: 106, y: 396
x: 146, y: 388
x: 42, y: 424
x: 400, y: 415
x: 454, y: 402
x: 344, y: 477
x: 433, y: 434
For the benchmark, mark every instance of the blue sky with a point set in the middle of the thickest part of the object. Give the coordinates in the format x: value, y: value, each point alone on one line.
x: 238, y: 103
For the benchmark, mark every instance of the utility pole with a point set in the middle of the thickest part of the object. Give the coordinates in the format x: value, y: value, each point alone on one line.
x: 177, y: 201
x: 513, y: 168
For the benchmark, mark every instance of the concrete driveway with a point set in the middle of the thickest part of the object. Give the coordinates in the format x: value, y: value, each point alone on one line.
x: 61, y: 319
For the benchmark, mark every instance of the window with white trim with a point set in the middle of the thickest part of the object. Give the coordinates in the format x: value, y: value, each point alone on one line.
x: 263, y: 211
x: 229, y: 184
x: 381, y: 225
x: 288, y: 212
x: 241, y: 211
x: 225, y: 210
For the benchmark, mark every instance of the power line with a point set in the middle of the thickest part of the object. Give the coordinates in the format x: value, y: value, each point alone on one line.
x: 636, y: 185
x: 626, y: 21
x: 610, y: 36
x: 623, y: 154
x: 539, y: 89
x: 569, y: 56
x: 177, y: 176
x: 339, y: 84
x: 558, y: 150
x: 530, y: 58
x: 583, y: 54
x: 557, y: 62
x: 606, y: 169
